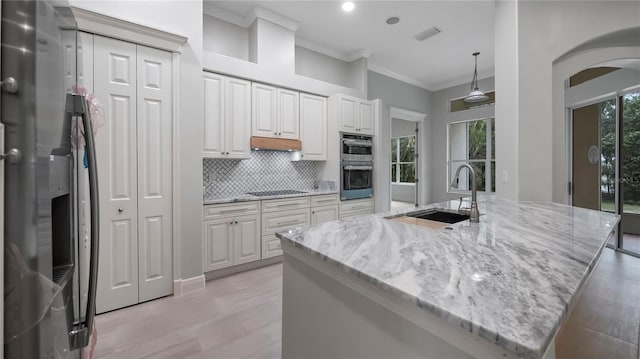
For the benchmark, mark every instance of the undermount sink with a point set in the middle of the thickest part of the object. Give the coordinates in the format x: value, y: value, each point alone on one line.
x: 439, y: 216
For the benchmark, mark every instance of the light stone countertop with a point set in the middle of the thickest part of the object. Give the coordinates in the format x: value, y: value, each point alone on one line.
x: 248, y: 197
x: 509, y: 279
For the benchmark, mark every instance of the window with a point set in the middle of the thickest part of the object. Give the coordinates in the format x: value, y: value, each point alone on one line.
x: 403, y: 159
x: 473, y: 143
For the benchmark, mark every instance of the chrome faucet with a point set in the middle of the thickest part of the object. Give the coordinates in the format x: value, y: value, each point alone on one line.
x: 474, y: 214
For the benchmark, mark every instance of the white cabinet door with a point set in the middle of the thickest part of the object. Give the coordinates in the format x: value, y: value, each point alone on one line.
x: 218, y: 244
x: 313, y: 125
x: 288, y: 114
x: 246, y: 239
x: 238, y: 118
x: 154, y: 173
x: 264, y: 113
x: 324, y: 214
x: 214, y: 128
x: 366, y: 116
x: 347, y: 112
x: 116, y: 145
x: 271, y: 246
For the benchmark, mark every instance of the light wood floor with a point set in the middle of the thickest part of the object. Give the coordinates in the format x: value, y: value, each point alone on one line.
x: 240, y: 317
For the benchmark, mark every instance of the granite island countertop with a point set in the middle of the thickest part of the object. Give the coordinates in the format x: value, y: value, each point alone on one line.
x: 509, y: 279
x: 243, y: 197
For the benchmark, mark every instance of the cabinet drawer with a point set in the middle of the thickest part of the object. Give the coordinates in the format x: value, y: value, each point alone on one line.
x: 234, y: 209
x: 277, y: 221
x: 274, y: 205
x: 324, y: 200
x: 355, y: 214
x: 271, y: 246
x: 356, y: 206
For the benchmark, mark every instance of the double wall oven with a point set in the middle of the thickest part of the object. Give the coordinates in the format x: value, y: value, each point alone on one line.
x: 356, y: 166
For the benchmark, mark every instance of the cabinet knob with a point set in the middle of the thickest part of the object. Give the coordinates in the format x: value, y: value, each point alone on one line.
x: 120, y: 210
x: 279, y: 133
x: 275, y: 133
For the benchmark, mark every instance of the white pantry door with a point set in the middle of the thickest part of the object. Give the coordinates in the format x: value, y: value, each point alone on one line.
x: 154, y: 173
x: 116, y: 146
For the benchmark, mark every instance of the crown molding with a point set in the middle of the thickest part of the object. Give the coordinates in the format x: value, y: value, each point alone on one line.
x: 246, y: 21
x: 262, y: 13
x: 222, y: 14
x: 398, y: 76
x: 100, y: 24
x: 330, y: 52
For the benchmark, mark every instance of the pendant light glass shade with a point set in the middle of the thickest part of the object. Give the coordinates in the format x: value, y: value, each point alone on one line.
x: 476, y: 95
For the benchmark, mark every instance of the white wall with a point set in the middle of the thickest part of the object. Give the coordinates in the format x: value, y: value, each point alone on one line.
x: 225, y: 38
x: 530, y: 36
x: 322, y: 67
x: 440, y: 119
x: 399, y: 94
x: 182, y: 18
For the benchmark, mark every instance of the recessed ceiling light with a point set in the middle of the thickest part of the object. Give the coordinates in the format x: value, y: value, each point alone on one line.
x: 393, y: 20
x: 348, y: 6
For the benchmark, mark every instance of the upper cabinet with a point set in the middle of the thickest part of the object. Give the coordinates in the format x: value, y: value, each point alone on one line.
x: 313, y: 123
x: 275, y: 112
x: 227, y: 117
x: 354, y: 115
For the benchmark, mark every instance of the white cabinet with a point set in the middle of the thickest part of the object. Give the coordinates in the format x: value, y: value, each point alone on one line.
x: 246, y: 239
x: 367, y: 117
x: 353, y: 114
x: 227, y: 117
x: 218, y: 244
x: 289, y: 114
x: 275, y: 112
x: 278, y: 215
x: 264, y: 112
x: 324, y: 208
x: 313, y: 127
x: 230, y: 240
x: 356, y: 207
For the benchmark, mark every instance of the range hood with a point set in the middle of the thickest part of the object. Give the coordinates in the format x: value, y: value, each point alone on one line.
x: 275, y: 144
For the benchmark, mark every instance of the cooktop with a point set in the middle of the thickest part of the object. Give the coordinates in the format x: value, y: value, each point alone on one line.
x: 275, y: 193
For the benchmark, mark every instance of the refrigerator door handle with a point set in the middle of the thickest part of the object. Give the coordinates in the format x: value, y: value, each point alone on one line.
x: 82, y: 331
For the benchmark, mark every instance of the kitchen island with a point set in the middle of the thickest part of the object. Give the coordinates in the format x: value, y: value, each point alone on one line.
x: 373, y: 287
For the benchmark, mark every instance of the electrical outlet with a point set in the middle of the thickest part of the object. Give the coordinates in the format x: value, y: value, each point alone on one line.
x: 505, y: 177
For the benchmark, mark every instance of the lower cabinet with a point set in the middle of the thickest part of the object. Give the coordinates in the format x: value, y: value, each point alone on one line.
x: 276, y: 221
x: 356, y: 207
x: 230, y: 241
x: 324, y: 214
x: 324, y: 208
x: 237, y: 233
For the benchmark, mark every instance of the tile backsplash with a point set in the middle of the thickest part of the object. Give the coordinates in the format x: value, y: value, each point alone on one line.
x: 264, y: 171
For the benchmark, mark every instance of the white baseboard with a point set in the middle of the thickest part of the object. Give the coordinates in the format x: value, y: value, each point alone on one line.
x: 182, y: 286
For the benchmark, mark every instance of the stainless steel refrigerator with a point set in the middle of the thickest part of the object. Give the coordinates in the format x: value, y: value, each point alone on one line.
x: 43, y: 316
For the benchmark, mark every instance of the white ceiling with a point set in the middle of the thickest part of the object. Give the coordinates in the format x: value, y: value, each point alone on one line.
x: 436, y: 63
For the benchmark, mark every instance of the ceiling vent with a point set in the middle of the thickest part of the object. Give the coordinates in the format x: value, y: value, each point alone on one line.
x: 428, y: 33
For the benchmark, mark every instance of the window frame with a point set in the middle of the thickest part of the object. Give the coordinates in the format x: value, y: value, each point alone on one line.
x: 489, y: 160
x: 397, y: 163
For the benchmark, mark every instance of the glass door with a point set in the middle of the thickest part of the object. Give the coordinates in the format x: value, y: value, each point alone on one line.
x: 594, y: 157
x: 629, y: 143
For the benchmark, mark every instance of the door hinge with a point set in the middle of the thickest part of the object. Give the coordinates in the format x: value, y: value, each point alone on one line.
x: 417, y: 155
x: 417, y: 180
x: 570, y: 188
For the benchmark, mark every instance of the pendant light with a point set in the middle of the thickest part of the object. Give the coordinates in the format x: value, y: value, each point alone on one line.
x: 476, y: 95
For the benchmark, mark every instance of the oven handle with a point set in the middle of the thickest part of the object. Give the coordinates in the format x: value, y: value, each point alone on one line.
x: 350, y: 142
x: 357, y: 168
